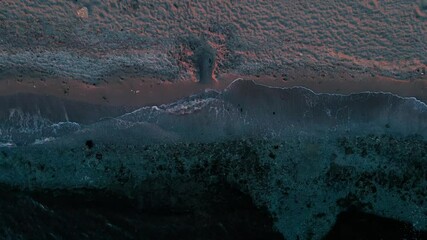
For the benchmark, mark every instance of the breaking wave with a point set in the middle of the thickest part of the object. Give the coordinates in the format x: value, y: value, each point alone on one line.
x: 244, y: 109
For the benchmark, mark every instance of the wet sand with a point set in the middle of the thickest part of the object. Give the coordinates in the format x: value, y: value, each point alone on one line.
x: 139, y: 91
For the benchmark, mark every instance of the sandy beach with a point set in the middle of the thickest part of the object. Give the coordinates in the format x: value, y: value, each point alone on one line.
x: 79, y: 161
x: 136, y: 53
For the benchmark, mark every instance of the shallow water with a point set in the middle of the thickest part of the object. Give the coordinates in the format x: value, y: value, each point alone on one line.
x: 297, y: 157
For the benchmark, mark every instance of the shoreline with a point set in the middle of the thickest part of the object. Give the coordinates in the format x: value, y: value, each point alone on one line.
x: 139, y: 91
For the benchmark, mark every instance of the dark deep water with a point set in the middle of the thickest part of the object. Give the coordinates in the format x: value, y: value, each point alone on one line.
x: 226, y: 214
x: 223, y: 213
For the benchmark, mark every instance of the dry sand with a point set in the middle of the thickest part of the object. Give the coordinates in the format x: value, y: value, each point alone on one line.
x: 135, y: 53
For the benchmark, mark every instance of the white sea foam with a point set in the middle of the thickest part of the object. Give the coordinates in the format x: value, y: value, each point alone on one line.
x: 244, y: 108
x: 7, y: 144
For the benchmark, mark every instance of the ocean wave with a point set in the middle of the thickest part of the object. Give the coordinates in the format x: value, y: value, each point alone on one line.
x: 248, y: 108
x: 23, y: 129
x: 244, y: 108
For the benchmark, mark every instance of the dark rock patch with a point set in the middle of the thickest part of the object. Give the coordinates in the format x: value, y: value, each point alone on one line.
x: 98, y: 156
x: 89, y: 144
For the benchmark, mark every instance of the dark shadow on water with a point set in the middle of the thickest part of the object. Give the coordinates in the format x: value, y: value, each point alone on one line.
x: 221, y: 213
x: 95, y: 214
x: 355, y: 225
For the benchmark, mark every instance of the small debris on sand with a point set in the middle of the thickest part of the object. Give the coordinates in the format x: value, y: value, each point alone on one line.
x: 83, y: 12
